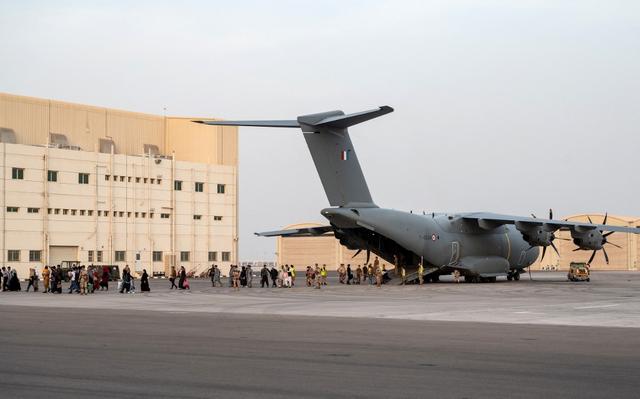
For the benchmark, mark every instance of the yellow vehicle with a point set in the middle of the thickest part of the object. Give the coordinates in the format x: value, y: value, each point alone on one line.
x: 579, y: 272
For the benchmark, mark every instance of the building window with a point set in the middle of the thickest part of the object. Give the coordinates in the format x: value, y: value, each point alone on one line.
x: 121, y: 214
x: 56, y: 211
x: 128, y: 214
x: 143, y: 214
x: 129, y: 179
x: 90, y: 212
x: 184, y: 256
x: 213, y: 256
x: 83, y: 178
x: 122, y: 178
x: 105, y: 213
x: 49, y: 210
x: 34, y: 256
x: 146, y: 180
x: 164, y: 216
x: 221, y: 188
x: 159, y: 181
x: 217, y: 218
x: 119, y: 255
x: 33, y: 210
x: 136, y: 214
x: 152, y: 180
x: 52, y: 175
x: 199, y: 187
x: 99, y: 256
x: 106, y: 177
x: 73, y: 212
x: 157, y: 256
x: 12, y: 209
x: 82, y: 212
x: 151, y: 215
x: 13, y: 255
x: 197, y: 217
x: 17, y: 173
x: 65, y: 211
x: 226, y: 256
x: 177, y: 185
x: 137, y: 180
x: 90, y: 256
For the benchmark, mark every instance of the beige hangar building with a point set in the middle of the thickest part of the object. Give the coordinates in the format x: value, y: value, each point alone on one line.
x: 110, y: 187
x: 305, y: 251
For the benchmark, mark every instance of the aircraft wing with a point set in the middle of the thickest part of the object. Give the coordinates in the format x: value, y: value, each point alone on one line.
x: 490, y: 221
x: 302, y: 232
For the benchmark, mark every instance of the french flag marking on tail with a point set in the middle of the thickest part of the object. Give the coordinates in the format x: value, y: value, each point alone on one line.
x: 344, y: 155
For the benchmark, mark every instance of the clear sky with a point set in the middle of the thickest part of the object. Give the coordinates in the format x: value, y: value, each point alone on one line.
x: 504, y: 106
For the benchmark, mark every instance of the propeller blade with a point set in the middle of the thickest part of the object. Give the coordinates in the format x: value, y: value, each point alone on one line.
x: 593, y: 255
x: 356, y: 254
x: 606, y: 257
x: 554, y: 248
x: 588, y: 217
x: 577, y: 249
x: 544, y: 251
x: 608, y: 234
x: 368, y: 254
x: 615, y: 245
x: 563, y: 239
x: 550, y: 213
x: 605, y: 218
x: 533, y: 216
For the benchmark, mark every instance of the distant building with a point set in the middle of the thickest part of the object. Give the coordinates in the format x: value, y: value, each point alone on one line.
x: 103, y: 186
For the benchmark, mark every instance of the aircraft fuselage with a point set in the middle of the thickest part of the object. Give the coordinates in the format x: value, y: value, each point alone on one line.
x: 447, y: 241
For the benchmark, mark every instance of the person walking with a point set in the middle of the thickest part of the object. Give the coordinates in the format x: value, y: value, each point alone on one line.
x: 5, y: 279
x: 349, y: 274
x: 292, y: 273
x: 249, y: 273
x: 371, y: 273
x: 323, y: 274
x: 216, y: 276
x: 236, y: 279
x: 84, y: 280
x: 378, y: 273
x: 46, y: 276
x: 73, y: 276
x: 211, y: 276
x: 403, y: 275
x: 172, y: 277
x: 308, y: 274
x: 358, y: 275
x: 33, y: 280
x: 456, y: 276
x: 144, y: 281
x: 126, y: 280
x: 274, y: 276
x: 231, y: 271
x: 318, y: 275
x: 420, y: 273
x: 181, y: 277
x: 104, y: 280
x: 264, y: 276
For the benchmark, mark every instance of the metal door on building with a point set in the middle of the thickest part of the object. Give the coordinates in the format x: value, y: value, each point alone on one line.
x: 59, y: 253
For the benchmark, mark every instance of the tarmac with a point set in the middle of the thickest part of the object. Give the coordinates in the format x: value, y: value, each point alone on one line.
x: 528, y: 339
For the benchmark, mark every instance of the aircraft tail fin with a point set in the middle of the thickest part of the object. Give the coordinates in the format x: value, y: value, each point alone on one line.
x: 333, y: 154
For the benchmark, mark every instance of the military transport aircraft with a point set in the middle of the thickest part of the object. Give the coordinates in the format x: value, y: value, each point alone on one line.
x: 480, y: 245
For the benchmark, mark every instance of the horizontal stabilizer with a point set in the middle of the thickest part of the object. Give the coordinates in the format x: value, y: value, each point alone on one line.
x: 302, y: 232
x: 344, y: 121
x: 283, y: 123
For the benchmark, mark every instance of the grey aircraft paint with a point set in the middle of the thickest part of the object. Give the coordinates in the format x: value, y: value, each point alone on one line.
x: 480, y: 245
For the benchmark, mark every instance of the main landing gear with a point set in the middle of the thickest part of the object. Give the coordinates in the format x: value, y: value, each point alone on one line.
x: 514, y: 275
x: 478, y: 279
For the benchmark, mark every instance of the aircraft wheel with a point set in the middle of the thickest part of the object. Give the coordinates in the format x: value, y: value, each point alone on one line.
x: 509, y: 277
x: 588, y: 280
x: 435, y: 278
x: 516, y: 276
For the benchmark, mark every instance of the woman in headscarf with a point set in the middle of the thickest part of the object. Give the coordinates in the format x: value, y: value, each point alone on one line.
x: 14, y: 283
x: 144, y: 281
x: 104, y: 283
x: 182, y: 277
